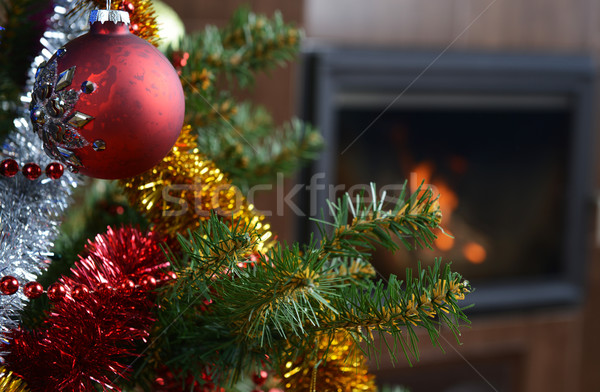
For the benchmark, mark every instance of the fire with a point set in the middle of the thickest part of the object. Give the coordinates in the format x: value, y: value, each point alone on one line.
x: 424, y: 172
x: 444, y: 242
x: 474, y: 252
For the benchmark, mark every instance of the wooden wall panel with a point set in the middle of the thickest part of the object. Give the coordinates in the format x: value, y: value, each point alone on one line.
x: 506, y: 24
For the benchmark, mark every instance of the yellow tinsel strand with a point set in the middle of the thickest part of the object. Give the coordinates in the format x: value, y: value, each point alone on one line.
x: 344, y: 369
x: 11, y: 383
x: 182, y: 190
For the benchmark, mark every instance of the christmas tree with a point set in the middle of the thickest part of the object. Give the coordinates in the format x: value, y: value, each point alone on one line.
x: 171, y: 280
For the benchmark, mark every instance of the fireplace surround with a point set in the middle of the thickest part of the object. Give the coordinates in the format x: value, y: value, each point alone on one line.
x: 505, y: 138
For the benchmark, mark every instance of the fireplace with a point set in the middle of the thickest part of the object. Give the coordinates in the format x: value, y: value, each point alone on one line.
x: 505, y: 138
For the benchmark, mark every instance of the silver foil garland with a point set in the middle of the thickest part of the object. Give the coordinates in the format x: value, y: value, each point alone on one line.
x: 31, y: 211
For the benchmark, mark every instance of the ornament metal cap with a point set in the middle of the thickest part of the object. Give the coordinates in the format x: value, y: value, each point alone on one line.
x: 114, y: 16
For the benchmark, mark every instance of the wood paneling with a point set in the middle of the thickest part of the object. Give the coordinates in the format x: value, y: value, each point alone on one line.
x: 537, y: 349
x: 483, y: 24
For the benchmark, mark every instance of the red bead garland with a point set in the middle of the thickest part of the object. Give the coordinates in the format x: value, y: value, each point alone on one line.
x: 148, y: 282
x: 56, y: 292
x: 32, y: 171
x: 9, y: 285
x: 54, y: 170
x: 260, y: 378
x: 127, y: 6
x: 127, y: 286
x: 9, y: 168
x: 33, y: 290
x: 80, y: 292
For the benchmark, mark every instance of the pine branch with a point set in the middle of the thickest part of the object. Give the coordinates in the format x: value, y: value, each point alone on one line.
x: 293, y: 295
x: 370, y: 224
x: 242, y: 140
x: 264, y: 149
x: 428, y: 300
x: 249, y: 44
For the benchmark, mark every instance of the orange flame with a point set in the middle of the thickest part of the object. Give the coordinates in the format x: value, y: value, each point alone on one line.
x: 444, y: 242
x: 474, y: 252
x: 423, y: 172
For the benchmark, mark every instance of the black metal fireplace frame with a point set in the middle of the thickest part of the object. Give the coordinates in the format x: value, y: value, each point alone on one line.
x: 328, y: 73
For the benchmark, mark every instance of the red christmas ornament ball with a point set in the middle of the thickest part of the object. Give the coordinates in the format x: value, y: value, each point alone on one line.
x: 33, y: 290
x: 108, y: 104
x: 9, y: 285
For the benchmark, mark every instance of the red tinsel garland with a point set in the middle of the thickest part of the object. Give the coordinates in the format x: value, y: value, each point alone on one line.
x: 89, y: 341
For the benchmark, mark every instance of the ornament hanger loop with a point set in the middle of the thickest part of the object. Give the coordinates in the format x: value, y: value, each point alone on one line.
x: 108, y: 4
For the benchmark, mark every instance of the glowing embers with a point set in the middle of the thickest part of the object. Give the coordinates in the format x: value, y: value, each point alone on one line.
x: 459, y: 239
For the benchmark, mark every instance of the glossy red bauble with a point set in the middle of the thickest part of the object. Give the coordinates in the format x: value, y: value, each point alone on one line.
x: 9, y: 285
x: 33, y: 290
x: 109, y: 104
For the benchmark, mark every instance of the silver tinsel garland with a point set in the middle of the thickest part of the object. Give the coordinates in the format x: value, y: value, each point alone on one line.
x: 31, y: 211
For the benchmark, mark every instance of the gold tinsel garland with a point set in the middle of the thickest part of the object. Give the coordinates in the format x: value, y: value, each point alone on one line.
x: 11, y: 383
x: 183, y: 190
x: 345, y: 369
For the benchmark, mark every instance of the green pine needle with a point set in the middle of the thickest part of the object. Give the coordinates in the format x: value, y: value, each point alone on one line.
x: 284, y: 300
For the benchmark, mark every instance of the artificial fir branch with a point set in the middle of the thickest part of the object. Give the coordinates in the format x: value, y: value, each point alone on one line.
x: 264, y: 150
x: 248, y: 44
x: 293, y: 295
x: 395, y: 309
x: 240, y: 139
x: 370, y: 223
